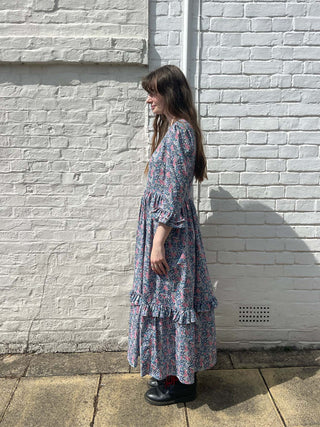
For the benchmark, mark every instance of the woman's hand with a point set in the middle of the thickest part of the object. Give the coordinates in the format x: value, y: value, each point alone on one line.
x: 158, y: 259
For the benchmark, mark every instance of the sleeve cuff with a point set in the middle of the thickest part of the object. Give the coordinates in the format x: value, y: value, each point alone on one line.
x: 168, y: 218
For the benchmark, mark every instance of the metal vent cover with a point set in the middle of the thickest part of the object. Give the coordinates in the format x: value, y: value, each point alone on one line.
x: 254, y: 314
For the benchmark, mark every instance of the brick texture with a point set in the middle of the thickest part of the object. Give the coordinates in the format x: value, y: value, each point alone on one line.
x: 73, y: 149
x: 73, y: 145
x: 259, y: 211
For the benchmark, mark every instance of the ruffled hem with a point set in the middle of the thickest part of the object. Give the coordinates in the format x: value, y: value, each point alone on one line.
x: 179, y: 316
x: 163, y: 215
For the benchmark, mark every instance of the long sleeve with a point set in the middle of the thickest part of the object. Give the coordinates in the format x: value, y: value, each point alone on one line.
x: 179, y: 160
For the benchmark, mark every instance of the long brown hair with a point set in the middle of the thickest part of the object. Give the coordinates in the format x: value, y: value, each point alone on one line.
x: 170, y: 82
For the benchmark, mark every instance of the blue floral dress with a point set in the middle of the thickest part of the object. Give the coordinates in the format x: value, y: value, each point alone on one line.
x: 172, y: 323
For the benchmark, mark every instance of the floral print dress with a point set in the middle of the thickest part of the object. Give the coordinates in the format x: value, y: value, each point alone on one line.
x: 171, y: 322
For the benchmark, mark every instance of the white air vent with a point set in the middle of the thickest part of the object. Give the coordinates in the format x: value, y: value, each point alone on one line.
x: 254, y: 314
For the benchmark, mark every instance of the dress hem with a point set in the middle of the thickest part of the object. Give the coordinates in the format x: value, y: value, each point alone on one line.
x: 154, y: 375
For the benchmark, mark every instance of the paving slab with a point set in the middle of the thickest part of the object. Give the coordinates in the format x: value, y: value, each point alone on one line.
x: 223, y: 361
x: 273, y: 359
x: 296, y: 392
x: 14, y: 365
x: 7, y: 386
x: 232, y: 398
x: 52, y: 402
x: 47, y: 364
x: 121, y: 403
x: 136, y: 369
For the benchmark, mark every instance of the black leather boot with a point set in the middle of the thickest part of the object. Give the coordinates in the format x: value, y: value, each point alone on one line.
x: 172, y: 391
x: 153, y: 382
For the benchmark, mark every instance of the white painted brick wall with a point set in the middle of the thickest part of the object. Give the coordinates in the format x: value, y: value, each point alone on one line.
x: 259, y: 209
x: 73, y: 148
x: 72, y: 155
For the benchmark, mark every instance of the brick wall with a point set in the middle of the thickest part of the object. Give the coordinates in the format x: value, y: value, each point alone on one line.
x: 259, y: 92
x: 73, y: 149
x: 73, y: 146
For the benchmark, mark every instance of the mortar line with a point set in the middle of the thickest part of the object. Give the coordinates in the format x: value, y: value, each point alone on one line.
x: 10, y: 400
x: 186, y: 414
x: 272, y: 398
x: 15, y: 388
x: 95, y: 402
x: 230, y: 358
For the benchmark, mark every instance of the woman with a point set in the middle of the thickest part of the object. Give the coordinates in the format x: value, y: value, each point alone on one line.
x: 171, y: 324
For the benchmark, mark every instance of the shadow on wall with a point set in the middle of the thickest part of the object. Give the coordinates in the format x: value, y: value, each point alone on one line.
x: 260, y: 261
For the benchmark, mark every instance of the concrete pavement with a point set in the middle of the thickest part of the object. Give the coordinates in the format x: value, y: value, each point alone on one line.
x: 246, y: 388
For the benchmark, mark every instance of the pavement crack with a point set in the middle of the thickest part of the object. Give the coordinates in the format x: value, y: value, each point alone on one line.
x: 272, y: 399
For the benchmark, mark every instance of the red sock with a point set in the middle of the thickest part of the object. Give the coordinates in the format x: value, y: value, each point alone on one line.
x: 171, y: 379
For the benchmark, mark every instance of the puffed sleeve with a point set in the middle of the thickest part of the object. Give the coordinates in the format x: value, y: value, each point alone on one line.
x: 180, y: 152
